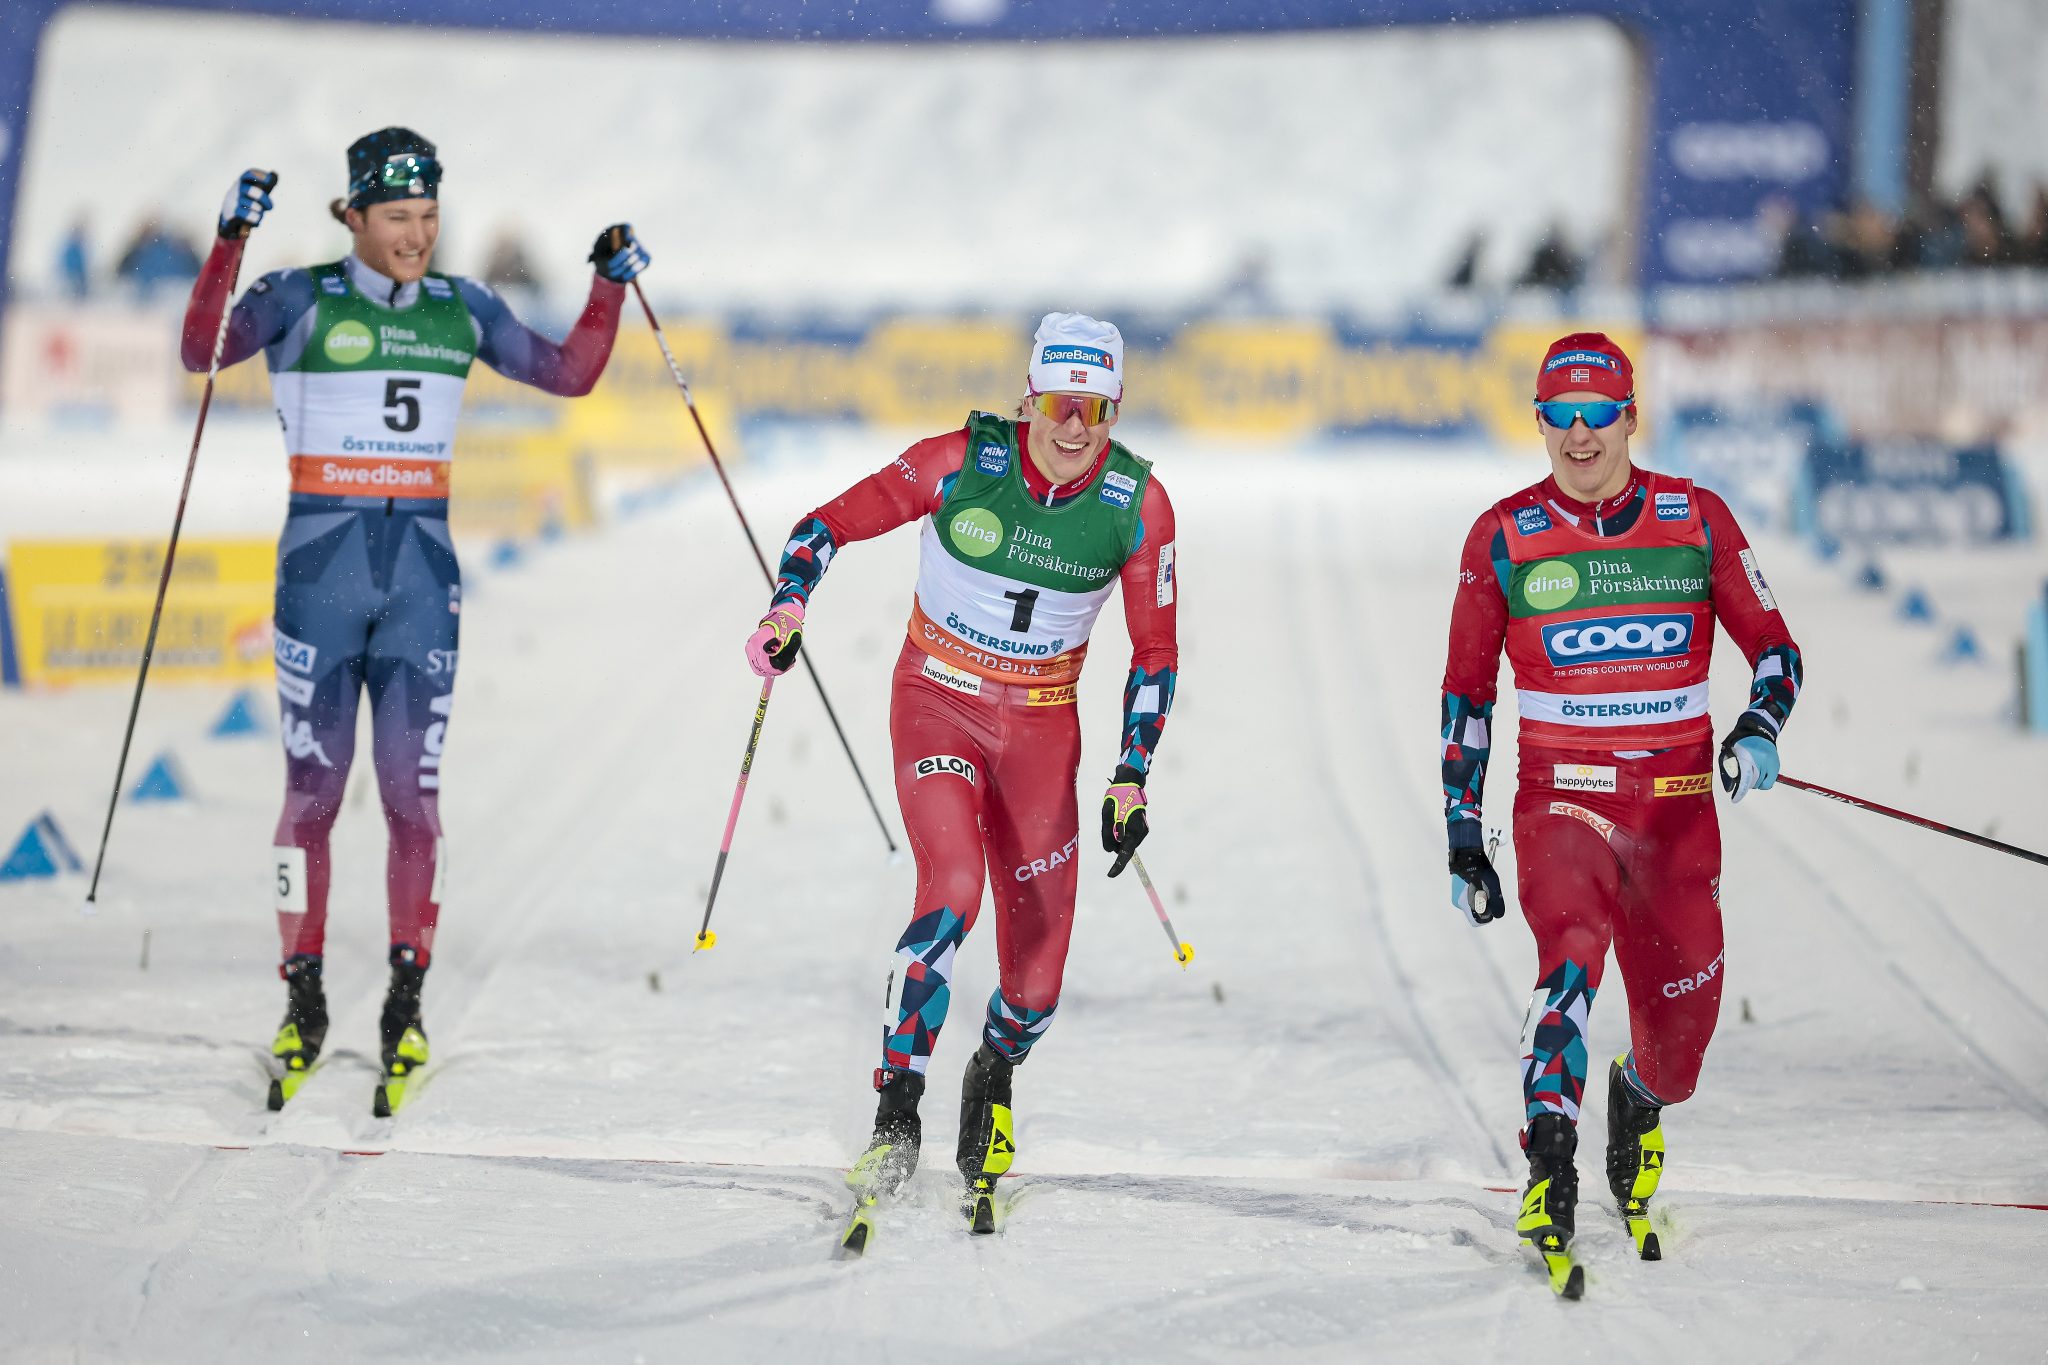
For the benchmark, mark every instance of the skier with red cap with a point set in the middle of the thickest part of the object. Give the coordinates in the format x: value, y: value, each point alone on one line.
x: 1604, y: 582
x: 1029, y: 523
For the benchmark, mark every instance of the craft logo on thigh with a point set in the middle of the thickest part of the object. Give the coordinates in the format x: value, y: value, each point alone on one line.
x: 1692, y: 784
x: 1038, y: 867
x: 1583, y: 777
x: 944, y: 763
x: 1599, y: 825
x: 1685, y: 985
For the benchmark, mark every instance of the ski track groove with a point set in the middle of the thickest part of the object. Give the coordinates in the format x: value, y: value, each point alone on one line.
x: 1423, y: 1043
x: 1861, y: 932
x: 1901, y: 877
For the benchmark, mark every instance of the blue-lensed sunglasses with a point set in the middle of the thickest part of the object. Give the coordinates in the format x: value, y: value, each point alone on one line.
x: 1601, y: 412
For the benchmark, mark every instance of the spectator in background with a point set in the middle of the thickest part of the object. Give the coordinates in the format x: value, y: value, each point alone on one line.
x: 1986, y: 239
x: 506, y: 265
x: 1930, y: 238
x: 74, y: 260
x: 1552, y: 266
x: 2032, y: 246
x: 1465, y: 274
x: 157, y: 257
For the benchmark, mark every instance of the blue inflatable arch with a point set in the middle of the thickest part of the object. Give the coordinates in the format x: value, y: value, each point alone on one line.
x: 1746, y: 99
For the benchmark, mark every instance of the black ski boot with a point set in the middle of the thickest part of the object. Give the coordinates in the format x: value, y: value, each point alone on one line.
x: 987, y: 1133
x: 1550, y: 1200
x: 404, y: 1040
x: 891, y: 1157
x: 1635, y: 1158
x: 297, y: 1045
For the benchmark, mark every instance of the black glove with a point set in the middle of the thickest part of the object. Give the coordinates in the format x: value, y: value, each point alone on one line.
x: 1123, y: 816
x: 1749, y: 757
x: 618, y: 255
x: 1475, y: 886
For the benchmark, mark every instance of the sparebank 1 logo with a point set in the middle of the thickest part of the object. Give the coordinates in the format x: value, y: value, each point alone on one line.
x: 1612, y: 638
x: 1551, y: 584
x: 977, y: 531
x: 349, y: 342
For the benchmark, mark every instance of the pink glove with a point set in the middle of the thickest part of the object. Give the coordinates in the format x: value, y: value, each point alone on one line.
x: 771, y: 649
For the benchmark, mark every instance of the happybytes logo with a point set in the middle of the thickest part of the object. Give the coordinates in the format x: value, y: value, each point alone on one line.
x: 977, y: 532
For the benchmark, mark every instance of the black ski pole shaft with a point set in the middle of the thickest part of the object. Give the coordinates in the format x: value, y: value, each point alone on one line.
x: 689, y: 401
x: 163, y: 581
x: 1982, y: 840
x: 705, y: 938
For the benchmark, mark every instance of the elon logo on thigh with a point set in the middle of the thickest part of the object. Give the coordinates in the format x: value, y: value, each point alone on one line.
x: 939, y: 764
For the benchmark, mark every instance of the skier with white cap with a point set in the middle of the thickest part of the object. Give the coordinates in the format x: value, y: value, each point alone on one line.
x: 1028, y: 523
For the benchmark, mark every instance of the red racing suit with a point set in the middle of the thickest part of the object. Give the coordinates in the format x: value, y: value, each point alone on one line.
x: 984, y: 727
x: 1607, y: 614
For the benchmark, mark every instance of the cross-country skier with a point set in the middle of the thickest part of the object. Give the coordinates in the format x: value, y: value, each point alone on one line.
x: 1028, y: 524
x: 1604, y: 583
x: 368, y: 357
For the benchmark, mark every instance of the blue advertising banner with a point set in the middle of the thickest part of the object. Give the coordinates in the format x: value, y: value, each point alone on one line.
x: 1910, y: 491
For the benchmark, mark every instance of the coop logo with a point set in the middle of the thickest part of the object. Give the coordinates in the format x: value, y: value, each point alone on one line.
x: 1076, y: 355
x: 1780, y: 153
x: 977, y: 532
x: 1558, y: 362
x: 1615, y: 638
x: 1686, y: 985
x: 1673, y: 507
x: 348, y: 342
x: 992, y: 458
x: 940, y: 764
x: 1530, y: 521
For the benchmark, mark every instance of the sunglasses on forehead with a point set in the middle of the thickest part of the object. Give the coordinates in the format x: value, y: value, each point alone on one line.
x: 407, y: 171
x: 1597, y: 414
x: 1090, y: 408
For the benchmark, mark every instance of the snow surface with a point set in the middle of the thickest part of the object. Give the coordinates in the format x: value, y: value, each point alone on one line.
x: 1299, y: 1149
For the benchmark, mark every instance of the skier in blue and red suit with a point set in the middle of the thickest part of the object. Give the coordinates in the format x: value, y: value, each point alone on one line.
x: 1604, y: 582
x: 368, y: 357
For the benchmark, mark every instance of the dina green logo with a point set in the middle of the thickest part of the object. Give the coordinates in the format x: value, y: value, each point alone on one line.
x: 349, y: 342
x: 977, y: 531
x: 1551, y: 584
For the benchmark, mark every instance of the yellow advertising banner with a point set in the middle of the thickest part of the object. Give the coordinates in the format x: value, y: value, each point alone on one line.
x: 81, y: 609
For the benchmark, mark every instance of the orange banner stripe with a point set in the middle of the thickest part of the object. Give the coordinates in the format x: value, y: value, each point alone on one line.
x: 371, y: 476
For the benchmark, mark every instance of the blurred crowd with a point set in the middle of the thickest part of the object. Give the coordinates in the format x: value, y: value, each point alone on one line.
x: 1860, y: 240
x: 158, y: 260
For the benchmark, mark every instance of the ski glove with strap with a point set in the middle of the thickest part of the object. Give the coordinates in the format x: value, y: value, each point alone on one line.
x: 1475, y: 886
x: 618, y: 255
x: 1749, y: 757
x: 246, y: 203
x: 1124, y: 825
x: 772, y: 648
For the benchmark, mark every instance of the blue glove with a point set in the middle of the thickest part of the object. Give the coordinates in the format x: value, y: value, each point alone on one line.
x: 247, y: 202
x: 1475, y: 886
x: 1749, y: 758
x: 618, y: 255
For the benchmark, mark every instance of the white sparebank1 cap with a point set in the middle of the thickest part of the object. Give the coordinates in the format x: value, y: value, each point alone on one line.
x: 1074, y: 353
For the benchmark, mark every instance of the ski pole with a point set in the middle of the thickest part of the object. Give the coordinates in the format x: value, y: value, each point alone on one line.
x: 705, y: 938
x: 689, y: 401
x: 1919, y: 820
x: 163, y: 582
x: 1183, y: 953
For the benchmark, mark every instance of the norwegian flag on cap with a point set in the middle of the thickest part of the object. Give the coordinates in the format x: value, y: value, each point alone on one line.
x: 1585, y: 362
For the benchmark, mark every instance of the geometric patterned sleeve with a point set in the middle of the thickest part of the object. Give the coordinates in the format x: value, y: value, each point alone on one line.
x: 913, y: 485
x: 1479, y: 626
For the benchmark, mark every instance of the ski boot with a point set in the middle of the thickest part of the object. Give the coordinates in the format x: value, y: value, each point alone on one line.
x: 404, y: 1040
x: 988, y: 1141
x: 297, y: 1045
x: 1550, y: 1202
x: 891, y: 1157
x: 1635, y: 1158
